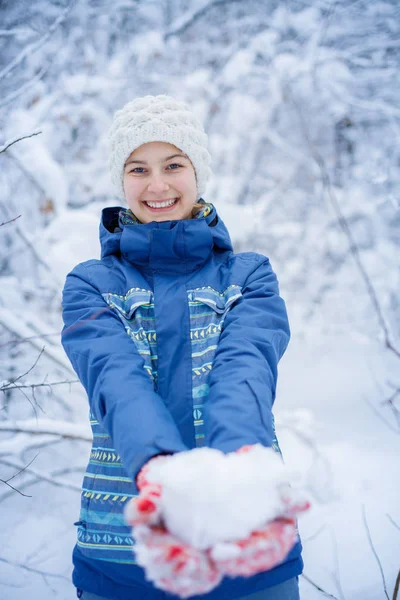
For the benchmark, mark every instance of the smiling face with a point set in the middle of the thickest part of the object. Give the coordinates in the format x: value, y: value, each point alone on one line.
x: 159, y: 183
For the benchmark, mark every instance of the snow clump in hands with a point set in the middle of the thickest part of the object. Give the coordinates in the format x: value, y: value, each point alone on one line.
x: 210, y: 497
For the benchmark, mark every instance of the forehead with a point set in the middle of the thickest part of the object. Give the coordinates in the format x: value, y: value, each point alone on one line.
x: 154, y: 151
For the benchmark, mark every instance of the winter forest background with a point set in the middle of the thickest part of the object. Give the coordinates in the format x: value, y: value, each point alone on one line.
x: 300, y: 101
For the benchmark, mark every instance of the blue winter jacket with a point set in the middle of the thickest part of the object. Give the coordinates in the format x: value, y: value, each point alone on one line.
x: 176, y: 340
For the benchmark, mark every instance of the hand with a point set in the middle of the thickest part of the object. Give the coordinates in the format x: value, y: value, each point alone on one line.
x: 265, y: 547
x: 172, y: 565
x: 261, y: 551
x: 146, y: 508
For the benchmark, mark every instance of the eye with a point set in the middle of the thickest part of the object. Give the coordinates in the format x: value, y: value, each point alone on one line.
x: 173, y: 166
x: 137, y: 170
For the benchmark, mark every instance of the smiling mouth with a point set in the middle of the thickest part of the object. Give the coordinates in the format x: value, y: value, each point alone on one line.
x: 161, y: 206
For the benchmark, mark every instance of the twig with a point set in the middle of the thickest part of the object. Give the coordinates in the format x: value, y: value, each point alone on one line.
x: 327, y: 594
x: 393, y: 522
x: 36, y: 479
x: 44, y: 477
x: 374, y: 551
x: 10, y: 221
x: 396, y: 587
x: 30, y: 368
x: 37, y: 385
x: 15, y: 489
x: 378, y: 414
x: 336, y: 572
x: 314, y: 535
x: 6, y: 481
x: 14, y: 141
x: 31, y: 570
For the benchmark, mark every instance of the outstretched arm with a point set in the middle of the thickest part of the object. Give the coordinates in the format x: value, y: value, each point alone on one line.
x: 243, y: 379
x: 121, y: 393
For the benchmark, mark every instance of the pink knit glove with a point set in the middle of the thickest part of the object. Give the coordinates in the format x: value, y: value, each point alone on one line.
x: 264, y: 548
x: 171, y: 564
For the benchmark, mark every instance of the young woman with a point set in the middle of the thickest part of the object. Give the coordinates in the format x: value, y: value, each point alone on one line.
x: 176, y: 340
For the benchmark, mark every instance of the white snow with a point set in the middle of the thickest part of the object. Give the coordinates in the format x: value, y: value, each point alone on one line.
x: 211, y: 497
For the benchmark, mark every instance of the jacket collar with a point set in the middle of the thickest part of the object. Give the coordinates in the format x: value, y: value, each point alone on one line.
x: 170, y: 246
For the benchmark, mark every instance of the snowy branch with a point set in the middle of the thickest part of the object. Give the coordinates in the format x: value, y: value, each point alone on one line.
x: 29, y: 50
x: 49, y: 426
x: 342, y: 221
x: 23, y: 88
x: 192, y: 16
x: 21, y: 329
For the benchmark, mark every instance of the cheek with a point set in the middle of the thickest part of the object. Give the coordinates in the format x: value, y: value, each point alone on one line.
x: 131, y: 186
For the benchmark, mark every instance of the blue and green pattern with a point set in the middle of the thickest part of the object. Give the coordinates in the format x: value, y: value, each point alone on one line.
x: 102, y: 531
x: 136, y: 311
x: 207, y: 308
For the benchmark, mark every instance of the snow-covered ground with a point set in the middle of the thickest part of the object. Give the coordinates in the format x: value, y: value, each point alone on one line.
x: 329, y: 384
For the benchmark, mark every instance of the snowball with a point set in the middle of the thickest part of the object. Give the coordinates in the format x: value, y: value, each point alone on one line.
x: 210, y: 497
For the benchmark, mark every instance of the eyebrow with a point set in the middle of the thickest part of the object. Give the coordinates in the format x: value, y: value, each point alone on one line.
x: 143, y: 162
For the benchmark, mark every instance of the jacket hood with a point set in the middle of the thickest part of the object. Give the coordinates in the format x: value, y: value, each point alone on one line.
x: 178, y: 246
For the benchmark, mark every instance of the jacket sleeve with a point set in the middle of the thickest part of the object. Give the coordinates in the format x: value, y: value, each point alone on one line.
x: 121, y: 393
x: 255, y: 334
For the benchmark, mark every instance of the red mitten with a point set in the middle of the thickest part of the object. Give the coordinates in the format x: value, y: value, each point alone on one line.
x: 172, y: 565
x: 145, y: 509
x: 265, y: 547
x: 169, y: 563
x: 261, y: 551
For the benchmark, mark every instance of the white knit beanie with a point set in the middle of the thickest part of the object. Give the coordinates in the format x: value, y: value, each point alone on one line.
x: 157, y: 119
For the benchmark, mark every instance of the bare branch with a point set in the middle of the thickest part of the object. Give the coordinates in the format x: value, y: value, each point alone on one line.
x: 396, y: 587
x: 31, y: 570
x: 374, y: 551
x: 48, y: 478
x: 393, y: 521
x: 30, y: 368
x: 35, y: 479
x: 18, y: 139
x: 378, y: 414
x: 7, y: 481
x: 15, y: 489
x: 21, y: 329
x: 317, y: 587
x: 336, y: 571
x: 10, y: 221
x: 32, y: 386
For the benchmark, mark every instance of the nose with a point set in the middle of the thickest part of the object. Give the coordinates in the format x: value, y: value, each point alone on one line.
x: 157, y: 184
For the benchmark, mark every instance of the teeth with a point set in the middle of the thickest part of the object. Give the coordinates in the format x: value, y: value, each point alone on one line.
x: 161, y: 204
